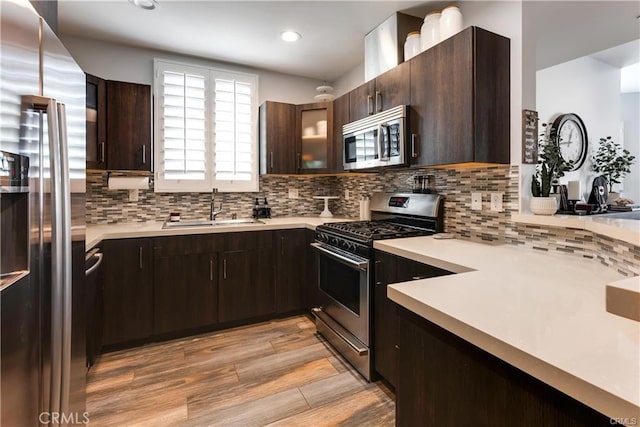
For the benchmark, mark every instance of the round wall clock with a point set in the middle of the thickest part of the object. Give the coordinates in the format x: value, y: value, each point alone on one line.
x: 572, y: 138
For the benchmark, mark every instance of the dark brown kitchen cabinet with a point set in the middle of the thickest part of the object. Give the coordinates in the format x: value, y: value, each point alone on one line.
x: 460, y: 100
x: 289, y: 247
x: 444, y: 380
x: 391, y: 269
x: 128, y: 126
x: 246, y: 288
x: 296, y: 139
x: 185, y: 293
x: 96, y: 122
x: 386, y: 91
x: 340, y: 118
x: 314, y: 124
x: 128, y: 290
x: 277, y: 138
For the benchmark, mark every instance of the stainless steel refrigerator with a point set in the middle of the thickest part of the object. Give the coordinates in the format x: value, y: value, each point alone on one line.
x: 42, y: 230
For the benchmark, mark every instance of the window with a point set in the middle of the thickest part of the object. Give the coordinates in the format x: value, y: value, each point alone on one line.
x: 206, y: 129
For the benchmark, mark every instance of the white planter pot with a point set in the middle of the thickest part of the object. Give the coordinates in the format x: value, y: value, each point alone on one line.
x: 544, y: 205
x: 613, y: 196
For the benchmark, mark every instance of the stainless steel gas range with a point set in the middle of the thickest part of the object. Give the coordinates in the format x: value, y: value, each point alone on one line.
x: 345, y: 272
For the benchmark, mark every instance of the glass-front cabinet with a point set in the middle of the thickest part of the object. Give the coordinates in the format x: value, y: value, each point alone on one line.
x: 315, y: 131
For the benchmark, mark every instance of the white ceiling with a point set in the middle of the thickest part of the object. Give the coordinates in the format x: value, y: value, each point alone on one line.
x: 566, y: 30
x: 248, y: 32
x: 242, y: 32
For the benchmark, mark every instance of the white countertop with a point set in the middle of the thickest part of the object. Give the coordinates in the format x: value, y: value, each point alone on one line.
x: 543, y: 313
x: 627, y: 230
x: 97, y: 233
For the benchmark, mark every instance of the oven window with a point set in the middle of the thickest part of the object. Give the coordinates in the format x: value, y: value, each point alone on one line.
x: 341, y: 283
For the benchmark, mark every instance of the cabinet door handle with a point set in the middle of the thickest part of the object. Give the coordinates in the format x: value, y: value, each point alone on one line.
x: 103, y: 156
x: 370, y: 104
x: 414, y: 144
x: 140, y: 257
x: 378, y: 101
x: 211, y: 270
x: 224, y: 269
x: 271, y: 161
x: 299, y: 160
x: 144, y: 154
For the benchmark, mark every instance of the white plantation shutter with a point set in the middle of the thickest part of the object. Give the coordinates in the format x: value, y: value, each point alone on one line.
x: 235, y: 131
x: 184, y: 126
x: 206, y: 135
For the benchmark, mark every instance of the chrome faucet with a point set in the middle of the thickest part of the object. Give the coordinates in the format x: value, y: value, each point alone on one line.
x: 214, y: 213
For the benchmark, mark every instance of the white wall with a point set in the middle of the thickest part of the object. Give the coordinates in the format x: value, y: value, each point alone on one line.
x: 630, y: 108
x: 132, y: 64
x: 590, y: 89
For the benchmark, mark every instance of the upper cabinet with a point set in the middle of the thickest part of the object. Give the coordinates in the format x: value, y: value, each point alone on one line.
x: 296, y: 138
x: 315, y: 137
x: 460, y: 101
x: 277, y: 138
x: 128, y: 126
x: 386, y: 91
x: 96, y: 123
x: 118, y: 125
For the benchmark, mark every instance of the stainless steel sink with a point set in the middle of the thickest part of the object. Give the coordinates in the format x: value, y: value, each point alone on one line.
x: 209, y: 223
x: 237, y: 221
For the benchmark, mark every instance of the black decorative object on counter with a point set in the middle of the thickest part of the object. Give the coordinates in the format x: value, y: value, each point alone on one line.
x: 261, y: 210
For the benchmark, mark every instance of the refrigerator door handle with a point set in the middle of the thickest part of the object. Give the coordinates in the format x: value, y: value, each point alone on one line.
x: 50, y: 107
x: 65, y: 236
x: 61, y: 280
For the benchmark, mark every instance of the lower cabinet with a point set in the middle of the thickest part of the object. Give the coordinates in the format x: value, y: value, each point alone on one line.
x: 444, y: 380
x: 246, y: 287
x: 289, y: 247
x: 185, y: 292
x: 391, y: 269
x: 128, y: 290
x: 168, y: 285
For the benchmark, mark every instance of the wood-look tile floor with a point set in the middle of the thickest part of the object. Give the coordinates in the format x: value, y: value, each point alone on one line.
x: 278, y: 373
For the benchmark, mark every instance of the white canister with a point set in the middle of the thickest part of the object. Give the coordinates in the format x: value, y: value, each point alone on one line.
x: 412, y: 46
x: 430, y: 31
x: 450, y: 22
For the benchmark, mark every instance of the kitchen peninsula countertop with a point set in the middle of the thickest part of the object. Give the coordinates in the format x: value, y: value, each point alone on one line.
x: 99, y: 232
x: 542, y: 313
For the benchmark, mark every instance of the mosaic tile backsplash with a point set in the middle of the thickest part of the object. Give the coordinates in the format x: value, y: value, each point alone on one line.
x: 108, y: 207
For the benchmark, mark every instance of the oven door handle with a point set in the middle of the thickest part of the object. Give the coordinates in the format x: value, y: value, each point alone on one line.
x: 360, y: 265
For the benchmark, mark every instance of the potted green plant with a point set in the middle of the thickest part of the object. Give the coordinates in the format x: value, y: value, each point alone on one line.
x: 613, y: 162
x: 551, y: 166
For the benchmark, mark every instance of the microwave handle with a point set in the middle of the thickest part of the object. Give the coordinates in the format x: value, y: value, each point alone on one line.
x: 384, y: 127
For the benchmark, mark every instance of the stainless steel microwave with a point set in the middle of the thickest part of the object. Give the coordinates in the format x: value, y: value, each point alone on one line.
x: 376, y: 141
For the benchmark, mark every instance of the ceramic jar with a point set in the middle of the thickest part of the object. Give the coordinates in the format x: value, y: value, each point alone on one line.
x: 412, y: 46
x: 450, y: 22
x: 544, y: 205
x: 430, y: 31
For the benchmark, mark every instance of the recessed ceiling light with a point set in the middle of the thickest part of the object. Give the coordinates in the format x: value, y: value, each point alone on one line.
x: 290, y: 36
x: 145, y: 4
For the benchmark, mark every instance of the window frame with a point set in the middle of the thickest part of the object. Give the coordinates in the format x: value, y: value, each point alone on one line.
x: 162, y: 185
